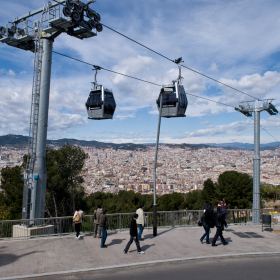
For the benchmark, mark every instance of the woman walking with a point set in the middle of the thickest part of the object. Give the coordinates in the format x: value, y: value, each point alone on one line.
x: 206, y: 222
x: 77, y: 219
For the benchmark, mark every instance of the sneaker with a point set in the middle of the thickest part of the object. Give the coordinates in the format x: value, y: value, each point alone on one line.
x: 214, y: 245
x: 126, y: 252
x: 225, y: 243
x: 104, y: 246
x: 201, y: 240
x: 141, y: 252
x: 79, y: 236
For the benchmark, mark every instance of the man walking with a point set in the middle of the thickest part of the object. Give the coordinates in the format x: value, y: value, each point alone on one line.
x: 133, y: 236
x: 140, y: 221
x: 103, y: 222
x: 97, y: 214
x: 219, y: 223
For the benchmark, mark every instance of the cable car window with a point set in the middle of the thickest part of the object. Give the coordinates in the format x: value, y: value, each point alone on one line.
x: 169, y: 100
x: 94, y: 101
x: 109, y: 103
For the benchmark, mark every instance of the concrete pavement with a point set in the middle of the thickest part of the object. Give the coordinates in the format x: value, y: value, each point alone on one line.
x: 56, y: 255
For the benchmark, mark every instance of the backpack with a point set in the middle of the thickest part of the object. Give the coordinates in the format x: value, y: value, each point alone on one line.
x: 77, y: 218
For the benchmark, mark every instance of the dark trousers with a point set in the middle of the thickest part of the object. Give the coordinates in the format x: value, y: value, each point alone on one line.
x: 104, y: 236
x: 219, y: 233
x: 207, y: 229
x: 77, y: 229
x: 130, y: 242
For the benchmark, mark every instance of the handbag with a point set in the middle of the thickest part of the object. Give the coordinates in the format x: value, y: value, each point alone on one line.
x: 77, y: 218
x: 199, y: 223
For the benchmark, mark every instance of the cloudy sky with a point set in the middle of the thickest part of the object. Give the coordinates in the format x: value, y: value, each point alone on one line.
x: 235, y: 42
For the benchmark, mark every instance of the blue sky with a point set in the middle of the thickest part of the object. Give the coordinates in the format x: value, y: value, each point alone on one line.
x: 235, y: 42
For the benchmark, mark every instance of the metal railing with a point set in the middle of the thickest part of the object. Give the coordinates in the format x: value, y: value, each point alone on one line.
x: 64, y: 225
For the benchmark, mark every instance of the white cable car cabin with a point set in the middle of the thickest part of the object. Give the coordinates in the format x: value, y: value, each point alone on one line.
x: 174, y: 101
x: 174, y: 98
x: 101, y: 104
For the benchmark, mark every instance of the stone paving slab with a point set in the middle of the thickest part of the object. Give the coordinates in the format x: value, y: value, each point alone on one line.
x: 62, y: 254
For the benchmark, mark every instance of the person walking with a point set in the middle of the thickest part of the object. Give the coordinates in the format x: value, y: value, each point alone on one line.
x: 133, y: 236
x: 140, y: 220
x: 223, y: 208
x: 97, y: 214
x: 103, y: 222
x: 206, y: 222
x: 77, y: 219
x: 219, y: 223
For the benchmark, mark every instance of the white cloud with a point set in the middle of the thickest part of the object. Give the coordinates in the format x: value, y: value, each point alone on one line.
x: 11, y: 73
x: 213, y: 67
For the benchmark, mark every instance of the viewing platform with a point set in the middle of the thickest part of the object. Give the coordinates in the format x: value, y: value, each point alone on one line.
x: 55, y: 255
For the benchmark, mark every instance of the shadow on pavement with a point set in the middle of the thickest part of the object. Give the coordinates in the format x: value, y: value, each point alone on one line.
x: 115, y: 241
x: 144, y: 247
x: 150, y: 236
x: 6, y: 259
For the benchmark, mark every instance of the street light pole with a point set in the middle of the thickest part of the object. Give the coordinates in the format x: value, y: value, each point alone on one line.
x: 155, y: 169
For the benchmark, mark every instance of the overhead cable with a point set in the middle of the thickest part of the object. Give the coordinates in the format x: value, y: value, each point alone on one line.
x: 150, y: 83
x: 181, y: 65
x: 141, y: 80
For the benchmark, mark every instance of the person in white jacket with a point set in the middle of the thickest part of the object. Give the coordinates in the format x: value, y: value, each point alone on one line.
x: 140, y: 221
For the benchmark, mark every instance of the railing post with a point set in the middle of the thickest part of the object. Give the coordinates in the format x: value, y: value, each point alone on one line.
x: 120, y: 220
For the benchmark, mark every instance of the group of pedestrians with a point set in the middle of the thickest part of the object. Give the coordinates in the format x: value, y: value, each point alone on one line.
x: 101, y: 225
x: 210, y: 219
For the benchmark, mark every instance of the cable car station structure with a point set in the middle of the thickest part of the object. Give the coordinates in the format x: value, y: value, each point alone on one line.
x: 246, y: 108
x: 76, y: 19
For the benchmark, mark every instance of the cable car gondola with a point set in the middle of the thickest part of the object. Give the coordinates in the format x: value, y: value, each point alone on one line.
x: 101, y: 104
x: 174, y: 98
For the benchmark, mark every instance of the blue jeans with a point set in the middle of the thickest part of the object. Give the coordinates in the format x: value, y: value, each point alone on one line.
x: 104, y: 236
x: 141, y: 228
x: 206, y: 228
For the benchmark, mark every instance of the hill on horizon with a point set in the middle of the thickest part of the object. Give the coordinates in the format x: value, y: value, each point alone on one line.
x: 20, y: 142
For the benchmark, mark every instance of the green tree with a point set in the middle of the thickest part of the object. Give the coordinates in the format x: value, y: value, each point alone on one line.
x: 12, y: 184
x: 209, y: 192
x: 64, y: 180
x: 269, y: 192
x: 236, y: 188
x: 194, y: 200
x: 171, y: 202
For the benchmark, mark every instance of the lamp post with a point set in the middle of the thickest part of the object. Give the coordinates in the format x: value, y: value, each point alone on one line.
x: 155, y: 170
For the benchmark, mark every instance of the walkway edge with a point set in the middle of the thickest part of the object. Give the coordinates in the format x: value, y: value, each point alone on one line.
x: 138, y: 264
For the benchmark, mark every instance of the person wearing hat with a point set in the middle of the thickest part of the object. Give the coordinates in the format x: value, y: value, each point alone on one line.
x: 219, y: 223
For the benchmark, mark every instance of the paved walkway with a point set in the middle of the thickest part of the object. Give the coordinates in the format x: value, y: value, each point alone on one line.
x: 55, y: 255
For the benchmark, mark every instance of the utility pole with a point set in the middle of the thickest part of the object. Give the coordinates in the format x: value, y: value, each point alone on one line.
x: 246, y: 108
x: 76, y: 19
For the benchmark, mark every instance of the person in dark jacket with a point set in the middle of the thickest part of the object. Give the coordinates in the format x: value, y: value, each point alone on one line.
x: 219, y: 223
x: 206, y: 222
x: 103, y: 222
x: 133, y: 236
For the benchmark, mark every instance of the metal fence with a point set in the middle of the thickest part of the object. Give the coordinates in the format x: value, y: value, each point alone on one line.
x: 25, y: 229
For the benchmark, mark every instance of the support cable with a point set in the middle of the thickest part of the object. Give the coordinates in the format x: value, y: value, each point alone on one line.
x: 90, y: 64
x: 137, y: 78
x: 181, y: 65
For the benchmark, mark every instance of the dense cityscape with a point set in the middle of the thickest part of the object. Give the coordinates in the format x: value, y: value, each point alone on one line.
x: 178, y: 170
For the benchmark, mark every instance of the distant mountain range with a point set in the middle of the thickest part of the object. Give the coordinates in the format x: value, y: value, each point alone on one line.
x: 19, y: 141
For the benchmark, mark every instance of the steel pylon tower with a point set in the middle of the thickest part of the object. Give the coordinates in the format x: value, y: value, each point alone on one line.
x: 246, y: 108
x: 66, y: 16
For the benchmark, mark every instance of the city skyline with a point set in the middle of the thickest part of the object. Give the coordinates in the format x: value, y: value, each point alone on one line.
x: 235, y: 43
